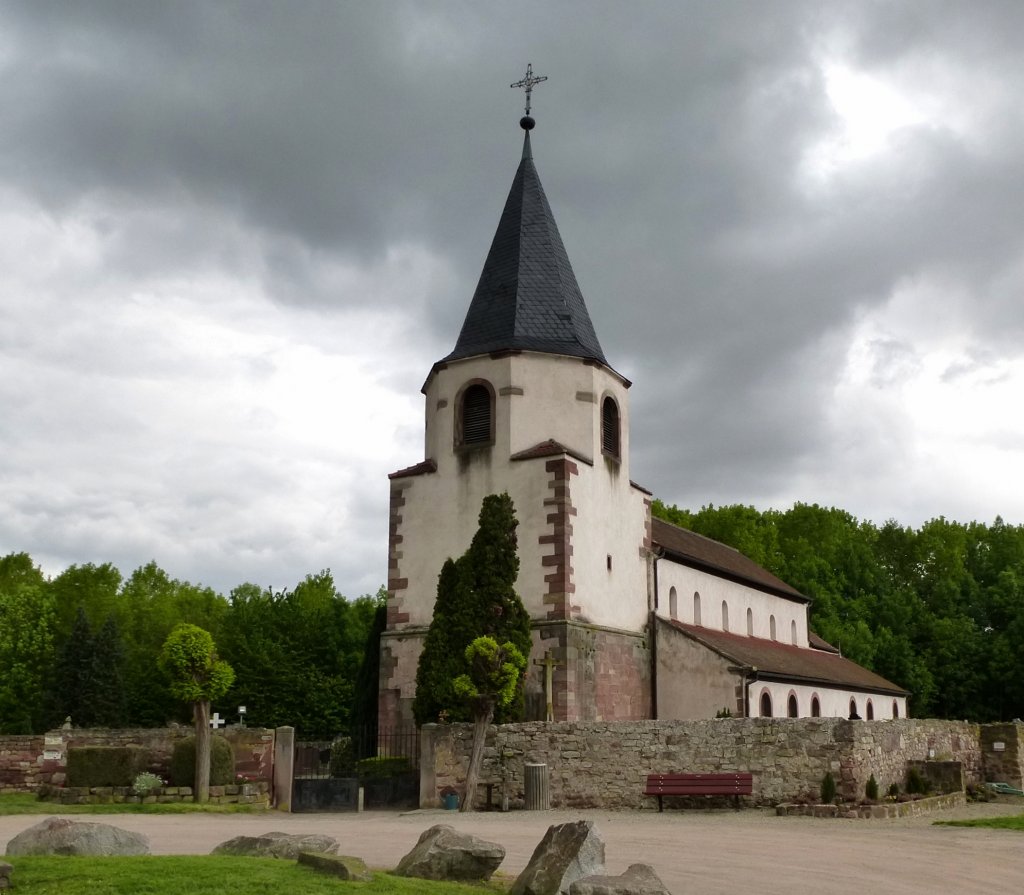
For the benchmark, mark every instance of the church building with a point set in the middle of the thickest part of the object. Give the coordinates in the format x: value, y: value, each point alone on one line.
x: 631, y: 617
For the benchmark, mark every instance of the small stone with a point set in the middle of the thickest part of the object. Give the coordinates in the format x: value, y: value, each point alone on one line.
x: 639, y: 879
x: 341, y: 866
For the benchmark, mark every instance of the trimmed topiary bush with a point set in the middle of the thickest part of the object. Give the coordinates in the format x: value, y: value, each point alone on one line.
x: 828, y: 789
x: 105, y: 765
x: 183, y: 762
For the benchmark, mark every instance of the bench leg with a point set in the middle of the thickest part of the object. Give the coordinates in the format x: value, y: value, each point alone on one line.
x: 659, y: 805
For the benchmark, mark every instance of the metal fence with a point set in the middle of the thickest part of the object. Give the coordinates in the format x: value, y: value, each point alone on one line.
x: 313, y: 757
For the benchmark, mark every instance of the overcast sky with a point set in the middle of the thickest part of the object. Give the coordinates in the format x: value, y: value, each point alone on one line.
x: 235, y: 236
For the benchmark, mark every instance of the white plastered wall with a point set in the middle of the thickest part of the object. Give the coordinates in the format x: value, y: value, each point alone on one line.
x: 538, y: 397
x: 835, y: 703
x: 739, y: 598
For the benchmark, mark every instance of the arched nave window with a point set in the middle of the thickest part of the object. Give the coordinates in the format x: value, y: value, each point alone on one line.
x: 696, y: 608
x: 771, y: 628
x: 673, y: 603
x: 725, y: 616
x: 750, y: 622
x: 792, y: 632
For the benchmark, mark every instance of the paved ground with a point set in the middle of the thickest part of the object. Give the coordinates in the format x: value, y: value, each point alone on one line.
x: 694, y: 852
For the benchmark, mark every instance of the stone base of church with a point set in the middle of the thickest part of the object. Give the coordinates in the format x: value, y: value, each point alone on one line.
x: 597, y: 674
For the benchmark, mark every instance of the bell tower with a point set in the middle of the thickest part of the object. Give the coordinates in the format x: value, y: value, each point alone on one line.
x: 527, y: 403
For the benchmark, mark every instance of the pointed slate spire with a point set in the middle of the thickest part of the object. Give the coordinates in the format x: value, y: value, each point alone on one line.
x: 527, y: 298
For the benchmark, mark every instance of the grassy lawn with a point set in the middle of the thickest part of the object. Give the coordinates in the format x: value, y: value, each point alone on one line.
x: 26, y: 803
x: 1012, y: 822
x: 207, y: 875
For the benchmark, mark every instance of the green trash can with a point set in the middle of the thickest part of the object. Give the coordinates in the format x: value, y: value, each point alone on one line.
x: 451, y: 801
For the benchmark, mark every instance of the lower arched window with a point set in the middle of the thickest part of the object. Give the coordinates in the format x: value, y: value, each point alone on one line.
x: 870, y: 711
x: 815, y: 706
x: 766, y: 704
x: 895, y: 709
x: 854, y: 716
x: 792, y: 709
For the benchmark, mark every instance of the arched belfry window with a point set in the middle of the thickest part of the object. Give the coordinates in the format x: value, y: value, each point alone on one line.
x: 475, y: 423
x: 610, y: 436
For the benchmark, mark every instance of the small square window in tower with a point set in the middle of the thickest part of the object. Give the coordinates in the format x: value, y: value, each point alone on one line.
x: 610, y: 428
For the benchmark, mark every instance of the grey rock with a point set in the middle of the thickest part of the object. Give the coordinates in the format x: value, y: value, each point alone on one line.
x: 277, y: 845
x: 567, y: 852
x: 341, y: 866
x: 59, y: 836
x: 639, y: 879
x: 444, y: 853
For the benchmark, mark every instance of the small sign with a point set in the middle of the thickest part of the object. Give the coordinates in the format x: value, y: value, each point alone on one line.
x: 53, y: 741
x: 52, y: 755
x: 999, y: 747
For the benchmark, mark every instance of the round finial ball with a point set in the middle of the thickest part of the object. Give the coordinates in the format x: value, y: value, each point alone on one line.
x: 527, y: 123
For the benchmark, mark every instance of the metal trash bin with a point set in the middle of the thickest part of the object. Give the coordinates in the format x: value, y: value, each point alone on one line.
x: 535, y: 780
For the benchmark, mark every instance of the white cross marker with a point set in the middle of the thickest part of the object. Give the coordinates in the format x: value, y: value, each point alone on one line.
x: 216, y: 722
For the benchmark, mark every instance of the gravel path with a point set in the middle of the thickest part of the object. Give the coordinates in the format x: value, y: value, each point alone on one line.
x: 695, y: 852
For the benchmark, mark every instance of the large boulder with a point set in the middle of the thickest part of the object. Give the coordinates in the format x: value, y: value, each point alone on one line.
x: 639, y: 879
x: 277, y: 845
x: 567, y: 852
x: 442, y: 852
x: 59, y: 836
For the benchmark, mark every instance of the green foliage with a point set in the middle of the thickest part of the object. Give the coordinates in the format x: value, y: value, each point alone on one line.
x: 363, y: 713
x: 208, y: 875
x: 493, y: 676
x: 105, y: 765
x: 382, y: 768
x: 828, y: 789
x: 871, y: 789
x: 343, y: 759
x: 476, y: 597
x: 145, y: 783
x: 189, y: 658
x: 894, y: 790
x: 183, y: 762
x: 724, y: 713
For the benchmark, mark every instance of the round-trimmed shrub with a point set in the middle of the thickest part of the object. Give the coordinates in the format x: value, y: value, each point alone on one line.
x: 871, y: 789
x: 183, y: 762
x: 828, y: 789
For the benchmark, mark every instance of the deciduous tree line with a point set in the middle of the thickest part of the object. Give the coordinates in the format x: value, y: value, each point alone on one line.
x: 85, y: 644
x: 938, y: 609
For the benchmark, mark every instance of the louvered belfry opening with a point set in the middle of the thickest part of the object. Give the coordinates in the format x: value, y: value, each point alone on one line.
x: 476, y: 415
x: 610, y: 427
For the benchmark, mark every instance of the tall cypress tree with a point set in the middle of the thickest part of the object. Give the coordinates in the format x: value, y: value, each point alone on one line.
x: 476, y: 596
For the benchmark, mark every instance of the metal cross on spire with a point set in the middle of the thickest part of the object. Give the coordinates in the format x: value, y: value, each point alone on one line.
x: 528, y: 83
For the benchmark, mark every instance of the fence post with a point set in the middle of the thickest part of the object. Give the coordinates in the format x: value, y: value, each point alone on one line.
x: 428, y: 773
x: 284, y: 767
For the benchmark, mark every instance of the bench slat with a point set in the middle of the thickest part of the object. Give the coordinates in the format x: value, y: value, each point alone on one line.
x: 716, y: 784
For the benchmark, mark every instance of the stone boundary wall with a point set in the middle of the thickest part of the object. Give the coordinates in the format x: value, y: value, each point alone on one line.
x: 604, y: 764
x: 26, y: 763
x: 255, y: 794
x: 21, y: 763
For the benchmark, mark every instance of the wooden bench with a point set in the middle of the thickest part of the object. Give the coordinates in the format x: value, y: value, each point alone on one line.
x: 735, y: 785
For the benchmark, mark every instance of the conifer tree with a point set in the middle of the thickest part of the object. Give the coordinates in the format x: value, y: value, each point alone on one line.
x: 476, y: 597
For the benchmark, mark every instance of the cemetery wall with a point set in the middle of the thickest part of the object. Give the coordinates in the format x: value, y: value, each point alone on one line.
x: 28, y: 762
x: 604, y: 764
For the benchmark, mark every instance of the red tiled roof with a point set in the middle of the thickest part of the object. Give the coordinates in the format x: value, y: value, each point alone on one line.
x: 550, y: 448
x: 692, y: 549
x: 772, y: 659
x: 427, y: 466
x: 819, y: 643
